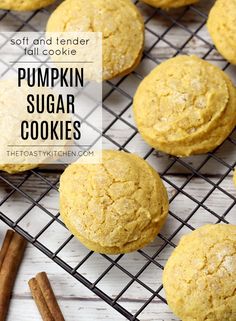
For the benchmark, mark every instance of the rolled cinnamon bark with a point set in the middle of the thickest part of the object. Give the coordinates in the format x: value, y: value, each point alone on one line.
x: 5, y: 246
x: 11, y: 261
x: 49, y: 296
x: 40, y: 300
x: 44, y: 298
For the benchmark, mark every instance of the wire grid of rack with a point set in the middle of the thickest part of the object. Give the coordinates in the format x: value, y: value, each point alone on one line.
x: 162, y: 42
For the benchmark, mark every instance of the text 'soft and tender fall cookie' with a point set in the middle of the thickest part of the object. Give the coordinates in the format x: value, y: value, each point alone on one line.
x: 200, y: 276
x: 185, y: 106
x: 222, y: 28
x: 119, y: 21
x: 117, y: 206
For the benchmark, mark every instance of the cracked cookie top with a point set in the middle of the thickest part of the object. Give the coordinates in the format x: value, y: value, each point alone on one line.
x: 116, y: 206
x: 185, y: 106
x: 200, y: 276
x: 119, y: 21
x: 13, y: 113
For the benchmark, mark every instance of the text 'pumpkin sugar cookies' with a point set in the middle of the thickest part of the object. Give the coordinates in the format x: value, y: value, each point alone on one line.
x: 200, y: 276
x: 24, y: 5
x: 222, y: 28
x: 185, y: 106
x: 120, y: 23
x: 167, y: 4
x: 117, y: 206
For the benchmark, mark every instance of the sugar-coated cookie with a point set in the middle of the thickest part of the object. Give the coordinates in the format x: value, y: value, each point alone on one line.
x: 24, y: 5
x: 185, y: 106
x: 120, y: 22
x: 222, y: 28
x: 13, y: 112
x: 167, y: 4
x: 16, y: 168
x: 11, y: 103
x: 200, y: 276
x: 117, y: 206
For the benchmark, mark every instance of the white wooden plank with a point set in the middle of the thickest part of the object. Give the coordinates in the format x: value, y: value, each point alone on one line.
x: 74, y: 299
x: 79, y: 310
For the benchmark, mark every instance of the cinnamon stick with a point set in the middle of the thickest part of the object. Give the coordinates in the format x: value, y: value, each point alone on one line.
x: 5, y: 246
x: 44, y: 298
x: 12, y: 254
x: 40, y: 300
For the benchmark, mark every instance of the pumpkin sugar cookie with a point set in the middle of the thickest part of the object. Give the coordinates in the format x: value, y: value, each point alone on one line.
x: 24, y: 5
x: 185, y: 106
x: 168, y: 4
x: 16, y: 168
x: 119, y: 21
x: 13, y: 112
x: 200, y: 276
x: 117, y: 206
x: 222, y: 28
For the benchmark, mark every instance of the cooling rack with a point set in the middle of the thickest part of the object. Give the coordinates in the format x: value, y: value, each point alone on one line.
x: 197, y: 186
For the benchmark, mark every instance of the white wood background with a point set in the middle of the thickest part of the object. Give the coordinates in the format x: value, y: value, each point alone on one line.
x: 76, y: 301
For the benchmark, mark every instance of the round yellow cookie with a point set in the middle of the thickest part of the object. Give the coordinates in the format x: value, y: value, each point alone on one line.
x: 119, y: 21
x: 17, y: 168
x: 234, y: 178
x: 200, y: 276
x: 167, y: 4
x: 185, y: 106
x: 13, y: 111
x: 24, y: 5
x: 222, y: 28
x: 11, y: 96
x: 117, y: 206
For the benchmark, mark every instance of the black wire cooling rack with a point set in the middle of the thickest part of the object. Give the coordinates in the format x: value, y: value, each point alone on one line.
x: 168, y: 33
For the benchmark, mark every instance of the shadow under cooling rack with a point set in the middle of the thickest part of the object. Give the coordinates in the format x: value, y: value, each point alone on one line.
x: 200, y: 188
